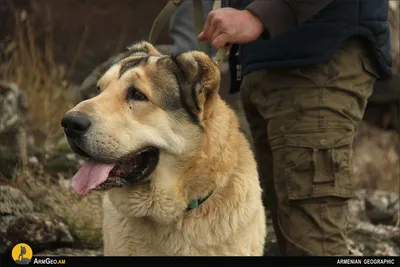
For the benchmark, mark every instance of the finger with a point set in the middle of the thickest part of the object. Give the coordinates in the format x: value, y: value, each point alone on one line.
x: 215, y: 35
x: 206, y: 30
x: 220, y: 41
x: 215, y: 30
x: 201, y: 36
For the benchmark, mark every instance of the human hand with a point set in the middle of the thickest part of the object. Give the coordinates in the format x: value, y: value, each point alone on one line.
x: 228, y: 25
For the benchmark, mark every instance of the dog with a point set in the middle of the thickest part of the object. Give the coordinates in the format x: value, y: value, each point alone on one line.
x: 179, y: 176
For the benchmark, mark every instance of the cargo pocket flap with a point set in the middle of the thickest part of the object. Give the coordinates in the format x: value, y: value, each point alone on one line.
x: 337, y: 138
x: 369, y: 66
x: 318, y: 165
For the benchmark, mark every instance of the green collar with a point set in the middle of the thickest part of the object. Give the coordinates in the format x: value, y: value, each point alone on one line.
x: 197, y: 202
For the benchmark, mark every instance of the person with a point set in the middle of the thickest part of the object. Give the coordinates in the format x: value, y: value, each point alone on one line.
x: 21, y: 253
x: 182, y: 29
x: 308, y: 69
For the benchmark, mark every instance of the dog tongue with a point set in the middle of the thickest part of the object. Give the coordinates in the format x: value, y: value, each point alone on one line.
x: 90, y: 175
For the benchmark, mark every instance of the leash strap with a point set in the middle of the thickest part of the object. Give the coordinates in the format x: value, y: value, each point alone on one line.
x: 220, y: 56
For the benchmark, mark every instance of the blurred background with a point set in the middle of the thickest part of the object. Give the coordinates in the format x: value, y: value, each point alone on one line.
x: 51, y: 54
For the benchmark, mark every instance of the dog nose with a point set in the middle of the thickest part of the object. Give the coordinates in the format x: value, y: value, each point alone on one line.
x: 75, y: 124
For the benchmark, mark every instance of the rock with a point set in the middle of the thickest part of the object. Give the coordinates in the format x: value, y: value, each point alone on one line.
x: 376, y: 158
x: 382, y: 207
x: 366, y: 239
x: 12, y: 102
x: 373, y: 223
x: 367, y: 202
x: 13, y: 107
x: 19, y: 223
x: 33, y: 161
x: 40, y: 231
x: 9, y: 159
x: 13, y: 202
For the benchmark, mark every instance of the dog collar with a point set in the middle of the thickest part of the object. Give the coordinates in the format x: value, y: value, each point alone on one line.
x: 197, y: 202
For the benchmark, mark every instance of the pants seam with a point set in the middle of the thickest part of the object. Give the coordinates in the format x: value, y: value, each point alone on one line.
x: 323, y: 232
x: 288, y: 239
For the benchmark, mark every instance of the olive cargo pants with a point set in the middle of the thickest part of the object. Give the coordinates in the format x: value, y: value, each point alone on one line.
x: 303, y: 122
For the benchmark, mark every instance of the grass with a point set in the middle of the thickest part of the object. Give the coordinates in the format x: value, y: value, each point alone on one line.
x: 32, y: 67
x: 29, y: 63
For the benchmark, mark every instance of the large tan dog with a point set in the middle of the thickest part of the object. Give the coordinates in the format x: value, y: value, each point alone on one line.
x: 180, y: 176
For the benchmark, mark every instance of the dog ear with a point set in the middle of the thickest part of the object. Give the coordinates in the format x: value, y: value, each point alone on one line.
x: 199, y: 78
x: 144, y: 47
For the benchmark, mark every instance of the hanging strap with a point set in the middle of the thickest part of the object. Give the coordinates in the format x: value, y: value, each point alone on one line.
x: 199, y: 22
x: 221, y: 53
x: 162, y: 19
x: 198, y: 17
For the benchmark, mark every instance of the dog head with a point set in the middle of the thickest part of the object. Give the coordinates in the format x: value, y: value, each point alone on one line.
x: 150, y: 107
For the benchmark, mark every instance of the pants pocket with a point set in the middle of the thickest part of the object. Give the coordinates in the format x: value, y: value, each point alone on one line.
x: 369, y: 66
x: 318, y: 164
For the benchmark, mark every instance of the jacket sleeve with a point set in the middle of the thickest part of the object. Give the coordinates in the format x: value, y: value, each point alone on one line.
x: 281, y: 15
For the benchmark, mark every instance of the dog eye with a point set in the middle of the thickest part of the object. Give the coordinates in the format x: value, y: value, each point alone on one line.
x: 135, y: 94
x: 98, y: 89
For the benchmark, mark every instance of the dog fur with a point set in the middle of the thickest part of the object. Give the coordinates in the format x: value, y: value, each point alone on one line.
x: 202, y: 152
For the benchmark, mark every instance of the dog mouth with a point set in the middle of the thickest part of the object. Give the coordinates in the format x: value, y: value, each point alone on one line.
x: 129, y: 170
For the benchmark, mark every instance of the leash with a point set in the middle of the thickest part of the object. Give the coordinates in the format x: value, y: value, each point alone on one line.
x: 221, y: 52
x: 198, y: 17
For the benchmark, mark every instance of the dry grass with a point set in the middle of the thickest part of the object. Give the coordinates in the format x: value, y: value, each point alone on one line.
x: 29, y: 63
x: 32, y: 67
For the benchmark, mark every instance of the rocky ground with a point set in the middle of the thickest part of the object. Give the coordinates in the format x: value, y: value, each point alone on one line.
x: 38, y: 207
x: 373, y: 229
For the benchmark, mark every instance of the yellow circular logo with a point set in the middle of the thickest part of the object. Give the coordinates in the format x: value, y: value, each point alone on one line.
x: 22, y: 253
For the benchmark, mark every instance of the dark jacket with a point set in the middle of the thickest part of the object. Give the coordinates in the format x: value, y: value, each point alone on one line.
x: 301, y: 33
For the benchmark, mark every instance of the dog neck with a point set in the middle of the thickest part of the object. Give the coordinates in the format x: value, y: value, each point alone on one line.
x: 221, y: 137
x: 222, y: 132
